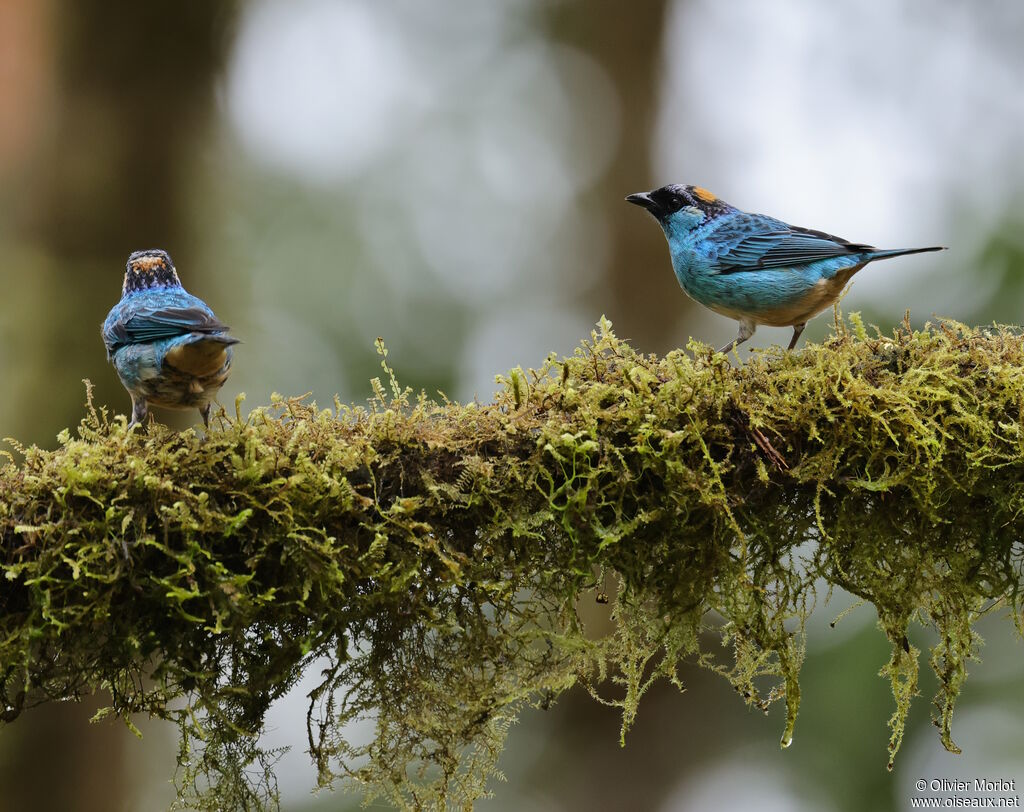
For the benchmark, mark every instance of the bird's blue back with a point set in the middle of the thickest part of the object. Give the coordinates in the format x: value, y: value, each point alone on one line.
x: 155, y: 315
x: 157, y: 320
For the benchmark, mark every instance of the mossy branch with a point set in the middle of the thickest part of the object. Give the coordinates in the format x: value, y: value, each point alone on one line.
x: 429, y: 557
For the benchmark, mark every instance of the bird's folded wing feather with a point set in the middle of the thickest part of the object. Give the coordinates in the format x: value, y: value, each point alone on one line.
x: 785, y: 247
x: 155, y: 325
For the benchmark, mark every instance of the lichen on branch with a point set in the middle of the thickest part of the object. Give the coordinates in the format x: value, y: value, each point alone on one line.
x: 428, y: 558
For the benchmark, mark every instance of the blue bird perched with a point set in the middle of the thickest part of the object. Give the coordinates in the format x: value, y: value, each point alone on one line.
x: 166, y: 345
x: 751, y: 267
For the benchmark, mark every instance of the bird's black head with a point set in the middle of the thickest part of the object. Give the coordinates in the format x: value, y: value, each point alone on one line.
x: 147, y: 269
x: 667, y: 200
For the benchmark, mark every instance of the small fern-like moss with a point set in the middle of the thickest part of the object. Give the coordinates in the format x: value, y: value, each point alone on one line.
x: 430, y: 556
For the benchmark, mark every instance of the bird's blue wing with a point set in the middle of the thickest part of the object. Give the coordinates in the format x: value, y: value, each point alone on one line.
x: 171, y: 322
x: 779, y: 245
x: 149, y: 325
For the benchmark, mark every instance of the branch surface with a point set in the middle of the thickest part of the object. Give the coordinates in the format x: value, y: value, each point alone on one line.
x: 428, y: 558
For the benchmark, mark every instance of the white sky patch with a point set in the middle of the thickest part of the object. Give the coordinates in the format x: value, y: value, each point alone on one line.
x: 529, y: 141
x: 989, y: 737
x: 320, y: 88
x: 286, y: 727
x: 737, y: 784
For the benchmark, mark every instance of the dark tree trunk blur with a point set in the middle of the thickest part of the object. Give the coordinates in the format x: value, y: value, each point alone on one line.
x: 626, y: 39
x: 132, y: 86
x: 133, y: 89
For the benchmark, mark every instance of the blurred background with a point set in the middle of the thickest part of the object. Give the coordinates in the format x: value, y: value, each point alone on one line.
x: 450, y: 175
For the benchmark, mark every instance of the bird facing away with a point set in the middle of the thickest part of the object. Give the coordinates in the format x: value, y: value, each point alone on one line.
x: 751, y: 267
x: 166, y: 345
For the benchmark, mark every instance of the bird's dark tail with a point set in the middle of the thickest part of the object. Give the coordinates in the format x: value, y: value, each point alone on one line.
x: 227, y: 341
x: 899, y: 252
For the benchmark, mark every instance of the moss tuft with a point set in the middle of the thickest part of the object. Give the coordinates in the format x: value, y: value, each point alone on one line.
x: 429, y: 557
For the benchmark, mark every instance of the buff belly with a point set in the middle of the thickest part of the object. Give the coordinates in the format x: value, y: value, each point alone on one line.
x: 780, y: 298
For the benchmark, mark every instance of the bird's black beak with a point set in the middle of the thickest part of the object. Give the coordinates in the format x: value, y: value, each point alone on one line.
x: 644, y: 199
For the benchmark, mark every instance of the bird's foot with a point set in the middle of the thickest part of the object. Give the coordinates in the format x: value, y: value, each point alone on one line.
x: 797, y: 329
x: 140, y: 410
x: 747, y: 329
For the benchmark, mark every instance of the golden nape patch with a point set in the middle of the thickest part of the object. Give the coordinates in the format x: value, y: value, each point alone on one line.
x: 704, y: 194
x: 147, y: 264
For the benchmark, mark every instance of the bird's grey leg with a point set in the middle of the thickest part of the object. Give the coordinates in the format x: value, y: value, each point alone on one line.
x: 139, y: 410
x: 747, y: 328
x: 797, y: 329
x: 204, y: 410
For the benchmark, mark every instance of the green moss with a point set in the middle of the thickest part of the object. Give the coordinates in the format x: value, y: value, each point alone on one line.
x: 431, y: 556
